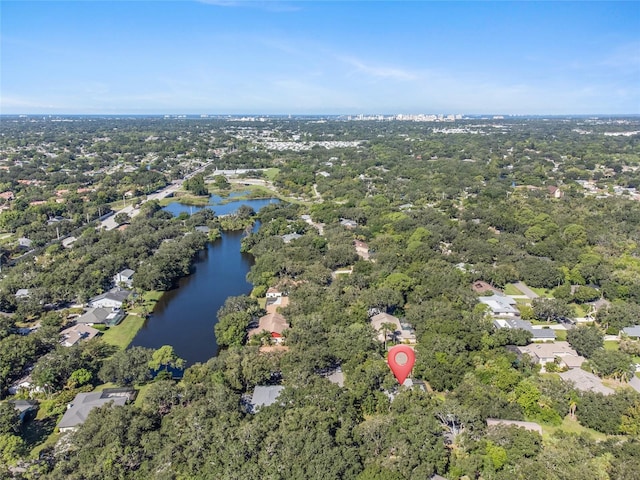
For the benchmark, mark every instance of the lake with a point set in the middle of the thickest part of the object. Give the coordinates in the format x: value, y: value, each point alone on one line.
x: 184, y: 317
x: 220, y: 208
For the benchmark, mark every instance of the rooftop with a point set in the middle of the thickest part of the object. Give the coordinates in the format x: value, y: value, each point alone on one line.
x: 263, y: 396
x: 78, y: 410
x: 585, y: 381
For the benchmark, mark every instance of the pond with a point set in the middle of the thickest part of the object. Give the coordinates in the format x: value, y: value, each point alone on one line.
x: 185, y: 316
x: 218, y: 205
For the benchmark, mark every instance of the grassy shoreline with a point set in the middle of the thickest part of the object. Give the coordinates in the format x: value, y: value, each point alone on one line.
x: 123, y: 334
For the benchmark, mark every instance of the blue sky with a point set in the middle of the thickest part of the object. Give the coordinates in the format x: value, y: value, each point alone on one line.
x: 331, y: 57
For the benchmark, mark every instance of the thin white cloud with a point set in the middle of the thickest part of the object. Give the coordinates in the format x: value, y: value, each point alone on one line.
x: 379, y: 71
x: 271, y: 6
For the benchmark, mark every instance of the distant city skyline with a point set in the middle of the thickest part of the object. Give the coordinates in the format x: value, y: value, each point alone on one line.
x: 319, y: 58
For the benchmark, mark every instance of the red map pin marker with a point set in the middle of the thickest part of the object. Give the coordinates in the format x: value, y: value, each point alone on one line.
x: 401, y: 359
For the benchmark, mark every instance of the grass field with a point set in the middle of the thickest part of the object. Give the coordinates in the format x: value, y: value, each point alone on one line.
x: 271, y: 173
x: 123, y: 334
x: 543, y: 292
x: 611, y: 345
x: 571, y: 426
x: 561, y: 335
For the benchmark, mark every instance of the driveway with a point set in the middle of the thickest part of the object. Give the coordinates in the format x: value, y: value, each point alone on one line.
x: 526, y: 290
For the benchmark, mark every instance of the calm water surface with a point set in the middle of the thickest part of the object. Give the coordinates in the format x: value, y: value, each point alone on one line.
x: 184, y: 317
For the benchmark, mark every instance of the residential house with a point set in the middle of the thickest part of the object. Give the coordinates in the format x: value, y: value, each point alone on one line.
x: 543, y: 353
x: 273, y: 293
x: 585, y: 381
x: 22, y: 293
x: 8, y: 195
x: 265, y: 395
x: 350, y: 224
x: 124, y: 278
x: 538, y: 334
x: 24, y: 407
x: 275, y: 303
x: 290, y: 237
x: 78, y: 410
x: 403, y: 332
x: 500, y: 305
x: 114, y: 298
x: 24, y: 242
x: 336, y: 377
x: 555, y: 192
x: 24, y: 383
x: 203, y: 229
x: 362, y: 249
x: 479, y: 286
x: 107, y: 316
x: 80, y: 331
x: 531, y: 426
x: 632, y: 332
x: 274, y: 323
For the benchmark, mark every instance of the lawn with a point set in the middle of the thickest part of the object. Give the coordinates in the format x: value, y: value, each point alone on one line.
x: 40, y: 434
x: 122, y: 335
x: 142, y: 392
x: 571, y: 426
x: 271, y: 173
x: 579, y: 310
x: 561, y: 335
x: 611, y: 345
x: 543, y: 292
x: 510, y: 289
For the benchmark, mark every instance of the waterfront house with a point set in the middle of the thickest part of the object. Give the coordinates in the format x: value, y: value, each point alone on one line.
x: 78, y: 332
x: 274, y: 323
x: 114, y: 298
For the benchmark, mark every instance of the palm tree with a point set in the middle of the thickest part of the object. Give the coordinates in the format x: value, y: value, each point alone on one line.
x: 388, y: 328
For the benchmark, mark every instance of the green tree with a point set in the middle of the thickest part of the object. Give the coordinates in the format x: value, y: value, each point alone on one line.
x: 585, y: 340
x: 9, y: 418
x: 127, y: 367
x: 165, y: 358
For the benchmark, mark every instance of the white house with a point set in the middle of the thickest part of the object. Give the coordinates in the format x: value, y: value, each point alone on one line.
x: 125, y: 278
x: 112, y: 299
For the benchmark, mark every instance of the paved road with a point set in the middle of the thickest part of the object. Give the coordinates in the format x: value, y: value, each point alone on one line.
x: 526, y: 290
x: 110, y: 223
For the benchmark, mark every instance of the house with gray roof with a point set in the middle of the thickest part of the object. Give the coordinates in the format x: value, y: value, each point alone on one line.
x: 114, y: 298
x: 585, y: 381
x: 24, y: 242
x: 632, y: 332
x: 290, y: 237
x: 22, y: 293
x: 500, y: 305
x: 538, y: 334
x: 345, y: 222
x: 265, y: 395
x: 125, y: 277
x: 78, y: 410
x: 24, y: 407
x: 107, y: 316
